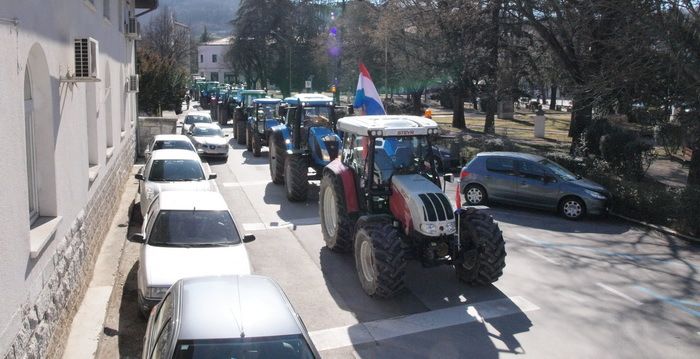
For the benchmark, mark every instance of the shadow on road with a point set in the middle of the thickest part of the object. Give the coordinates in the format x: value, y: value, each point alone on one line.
x: 550, y: 221
x: 290, y: 211
x: 132, y: 327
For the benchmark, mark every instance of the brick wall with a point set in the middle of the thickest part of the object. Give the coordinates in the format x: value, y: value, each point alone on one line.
x: 47, y: 322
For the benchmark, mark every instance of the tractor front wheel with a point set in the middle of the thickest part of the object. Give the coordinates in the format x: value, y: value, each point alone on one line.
x: 276, y: 154
x: 240, y: 132
x: 336, y: 224
x: 257, y: 145
x: 296, y: 172
x: 483, y: 254
x: 379, y: 258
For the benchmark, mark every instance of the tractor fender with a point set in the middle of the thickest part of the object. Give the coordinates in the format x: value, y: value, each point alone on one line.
x: 400, y: 209
x: 283, y: 132
x: 346, y: 175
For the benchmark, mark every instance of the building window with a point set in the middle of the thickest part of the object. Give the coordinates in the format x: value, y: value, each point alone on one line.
x: 213, y: 58
x: 105, y: 8
x: 201, y: 58
x: 33, y: 196
x: 214, y: 76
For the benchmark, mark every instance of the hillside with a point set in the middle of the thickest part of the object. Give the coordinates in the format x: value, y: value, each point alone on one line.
x: 215, y: 14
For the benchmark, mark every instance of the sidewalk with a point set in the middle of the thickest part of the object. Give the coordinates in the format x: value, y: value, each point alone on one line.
x: 87, y: 324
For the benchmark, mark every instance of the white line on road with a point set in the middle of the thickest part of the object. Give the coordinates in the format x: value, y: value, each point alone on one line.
x: 245, y: 184
x: 550, y: 260
x: 375, y: 331
x: 618, y: 293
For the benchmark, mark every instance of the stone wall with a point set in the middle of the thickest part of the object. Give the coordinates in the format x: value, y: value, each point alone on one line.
x: 148, y: 127
x: 47, y: 322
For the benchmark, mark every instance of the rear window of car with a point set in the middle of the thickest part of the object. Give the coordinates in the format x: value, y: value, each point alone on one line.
x: 190, y: 119
x: 175, y: 170
x: 176, y: 145
x: 193, y: 228
x: 500, y: 164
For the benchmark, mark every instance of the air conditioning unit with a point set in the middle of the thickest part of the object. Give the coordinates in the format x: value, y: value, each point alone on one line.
x: 86, y: 56
x: 133, y: 29
x: 134, y: 83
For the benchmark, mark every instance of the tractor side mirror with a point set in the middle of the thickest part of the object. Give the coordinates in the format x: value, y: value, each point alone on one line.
x: 448, y: 177
x: 351, y: 110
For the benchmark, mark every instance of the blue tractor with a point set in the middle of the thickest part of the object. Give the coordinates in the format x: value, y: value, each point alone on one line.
x: 264, y: 116
x: 306, y: 140
x: 243, y: 111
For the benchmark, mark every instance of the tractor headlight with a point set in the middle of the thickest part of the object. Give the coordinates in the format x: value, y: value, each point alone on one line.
x: 450, y: 227
x: 428, y: 228
x: 156, y: 292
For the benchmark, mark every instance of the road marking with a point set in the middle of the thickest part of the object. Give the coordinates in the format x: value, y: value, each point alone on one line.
x: 684, y: 305
x: 550, y: 260
x: 637, y: 259
x: 259, y: 226
x: 378, y: 330
x: 245, y: 184
x: 618, y: 293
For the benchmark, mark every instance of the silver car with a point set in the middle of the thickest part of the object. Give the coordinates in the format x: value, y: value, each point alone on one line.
x: 195, y: 117
x: 209, y: 140
x: 226, y: 317
x: 533, y: 181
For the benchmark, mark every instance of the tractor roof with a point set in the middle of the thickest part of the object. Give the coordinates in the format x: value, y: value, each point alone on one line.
x: 251, y: 92
x: 309, y: 99
x: 389, y: 125
x: 267, y: 100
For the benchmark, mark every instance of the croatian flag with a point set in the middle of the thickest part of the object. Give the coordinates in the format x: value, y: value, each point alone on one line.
x: 367, y: 100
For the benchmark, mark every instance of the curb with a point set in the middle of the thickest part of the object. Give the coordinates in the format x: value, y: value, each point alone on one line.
x: 662, y: 229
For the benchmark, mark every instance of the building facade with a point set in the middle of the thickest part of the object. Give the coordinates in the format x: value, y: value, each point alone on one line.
x: 211, y: 62
x: 68, y: 135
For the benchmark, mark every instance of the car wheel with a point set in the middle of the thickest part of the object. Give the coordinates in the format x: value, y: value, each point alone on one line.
x: 475, y: 195
x: 572, y: 208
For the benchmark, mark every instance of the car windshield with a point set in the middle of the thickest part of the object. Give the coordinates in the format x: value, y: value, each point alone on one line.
x: 193, y: 228
x: 176, y: 145
x: 175, y: 170
x: 190, y: 119
x: 559, y: 171
x: 287, y: 347
x: 207, y: 131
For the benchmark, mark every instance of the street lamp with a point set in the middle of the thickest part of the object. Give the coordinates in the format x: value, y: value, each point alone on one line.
x: 289, y: 51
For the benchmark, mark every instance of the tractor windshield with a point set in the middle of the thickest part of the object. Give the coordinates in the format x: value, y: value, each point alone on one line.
x: 400, y: 155
x: 317, y: 115
x: 266, y: 111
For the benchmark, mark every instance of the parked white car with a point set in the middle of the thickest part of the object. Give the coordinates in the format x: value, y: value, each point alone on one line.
x: 209, y: 139
x: 195, y: 117
x: 186, y: 234
x: 172, y: 170
x: 169, y: 142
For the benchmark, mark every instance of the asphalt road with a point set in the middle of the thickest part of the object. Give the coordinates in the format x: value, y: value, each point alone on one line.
x: 597, y: 288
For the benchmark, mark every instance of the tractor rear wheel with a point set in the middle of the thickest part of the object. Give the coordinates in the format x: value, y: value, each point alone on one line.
x: 240, y: 132
x: 379, y: 258
x: 257, y: 145
x: 483, y: 254
x: 336, y: 224
x: 248, y: 138
x: 296, y: 172
x: 276, y: 159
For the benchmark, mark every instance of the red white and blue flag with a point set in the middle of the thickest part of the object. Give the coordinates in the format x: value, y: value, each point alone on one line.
x: 367, y: 99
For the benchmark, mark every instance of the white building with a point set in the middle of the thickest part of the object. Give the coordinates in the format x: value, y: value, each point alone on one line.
x: 212, y: 64
x: 68, y: 147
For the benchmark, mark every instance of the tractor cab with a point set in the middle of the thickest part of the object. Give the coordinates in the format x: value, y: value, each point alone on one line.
x: 243, y: 111
x: 264, y: 116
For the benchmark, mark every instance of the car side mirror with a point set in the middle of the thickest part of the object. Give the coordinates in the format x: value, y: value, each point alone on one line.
x: 212, y: 176
x: 189, y: 133
x: 137, y: 238
x: 139, y: 176
x: 247, y: 238
x: 226, y: 135
x: 448, y: 177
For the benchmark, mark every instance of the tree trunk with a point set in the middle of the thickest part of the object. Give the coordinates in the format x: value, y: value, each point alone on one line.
x: 489, y: 105
x: 458, y: 109
x: 581, y: 117
x: 553, y: 97
x: 415, y: 97
x: 694, y: 168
